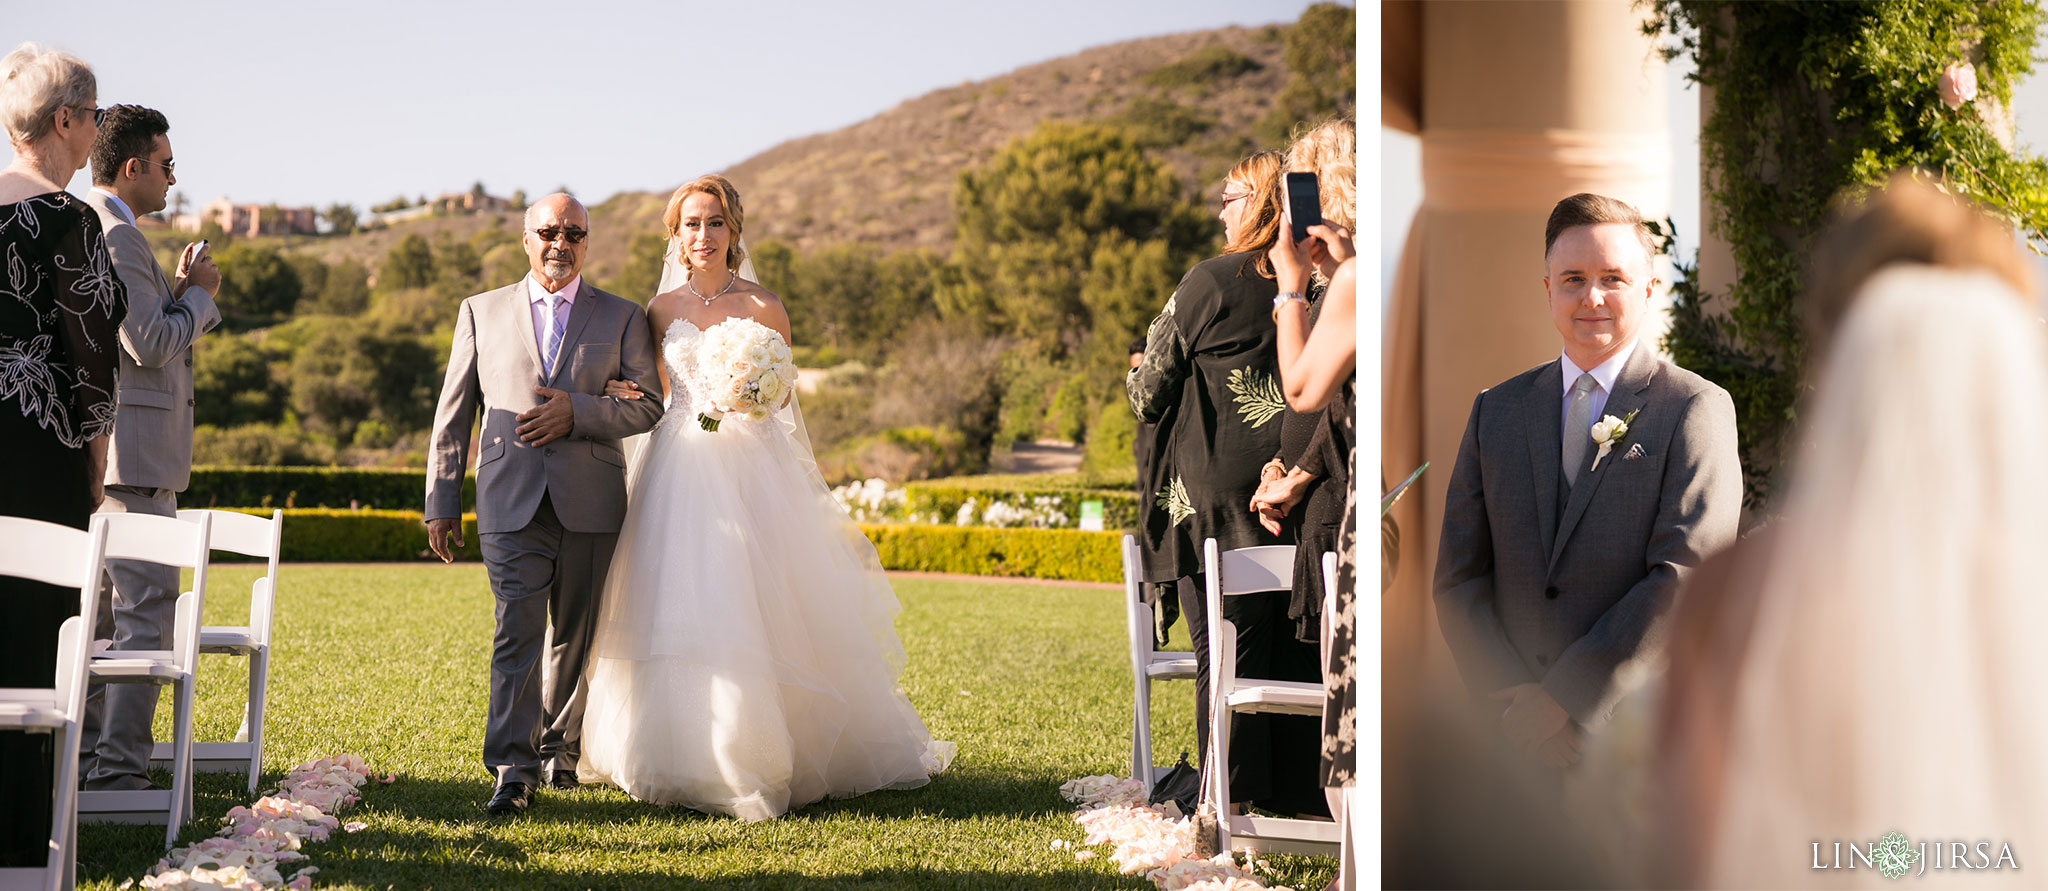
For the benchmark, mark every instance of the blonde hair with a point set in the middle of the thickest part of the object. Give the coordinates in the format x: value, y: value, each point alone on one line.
x: 1330, y: 152
x: 1910, y: 219
x: 728, y: 197
x: 1260, y: 176
x: 34, y: 83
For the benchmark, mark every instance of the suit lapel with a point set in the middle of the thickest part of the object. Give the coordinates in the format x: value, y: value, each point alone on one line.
x: 1542, y: 424
x: 522, y: 310
x: 579, y: 315
x: 1627, y: 397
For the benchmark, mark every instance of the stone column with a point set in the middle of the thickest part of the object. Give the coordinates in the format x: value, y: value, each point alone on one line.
x: 1523, y: 103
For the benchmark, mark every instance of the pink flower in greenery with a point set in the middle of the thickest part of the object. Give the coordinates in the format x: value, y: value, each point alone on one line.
x: 1958, y: 84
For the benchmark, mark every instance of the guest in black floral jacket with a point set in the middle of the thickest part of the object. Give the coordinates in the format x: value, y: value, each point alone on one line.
x: 61, y: 308
x: 1209, y: 383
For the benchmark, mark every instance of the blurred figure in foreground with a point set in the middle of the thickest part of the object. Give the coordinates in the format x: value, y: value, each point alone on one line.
x: 1861, y: 665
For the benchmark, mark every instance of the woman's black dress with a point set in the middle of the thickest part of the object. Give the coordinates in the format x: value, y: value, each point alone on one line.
x: 61, y: 308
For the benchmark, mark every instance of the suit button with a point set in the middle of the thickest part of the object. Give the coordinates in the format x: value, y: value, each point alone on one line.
x: 1550, y: 593
x: 1542, y: 660
x: 188, y: 402
x: 550, y: 453
x: 188, y: 361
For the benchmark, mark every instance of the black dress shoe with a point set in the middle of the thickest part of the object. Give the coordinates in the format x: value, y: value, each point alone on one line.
x: 510, y: 799
x: 564, y: 780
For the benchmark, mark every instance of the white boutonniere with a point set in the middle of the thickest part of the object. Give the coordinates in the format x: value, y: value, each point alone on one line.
x: 1609, y: 431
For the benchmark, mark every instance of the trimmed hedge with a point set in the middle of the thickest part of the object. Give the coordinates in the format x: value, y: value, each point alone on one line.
x: 313, y: 535
x: 290, y: 487
x: 1120, y: 507
x: 1016, y: 553
x: 321, y: 535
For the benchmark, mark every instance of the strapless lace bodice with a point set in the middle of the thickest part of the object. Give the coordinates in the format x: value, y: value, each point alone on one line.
x: 679, y: 352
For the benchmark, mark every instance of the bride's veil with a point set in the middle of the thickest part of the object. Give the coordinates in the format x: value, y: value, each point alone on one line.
x: 1889, y: 681
x: 673, y: 274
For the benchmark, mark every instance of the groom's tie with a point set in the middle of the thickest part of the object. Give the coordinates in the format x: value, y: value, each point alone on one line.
x: 554, y: 334
x: 1578, y: 427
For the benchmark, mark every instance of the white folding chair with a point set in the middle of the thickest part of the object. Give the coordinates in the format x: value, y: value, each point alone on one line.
x: 1147, y: 664
x: 1245, y: 571
x: 172, y: 542
x: 251, y: 536
x: 56, y: 555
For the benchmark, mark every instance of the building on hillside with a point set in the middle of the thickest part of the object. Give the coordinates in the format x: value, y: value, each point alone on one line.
x: 469, y: 202
x: 251, y: 219
x: 386, y: 218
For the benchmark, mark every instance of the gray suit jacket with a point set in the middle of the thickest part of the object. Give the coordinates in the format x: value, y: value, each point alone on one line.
x: 152, y: 444
x: 1530, y: 590
x: 494, y: 366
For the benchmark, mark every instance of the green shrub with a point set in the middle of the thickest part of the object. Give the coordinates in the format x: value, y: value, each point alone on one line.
x: 1110, y: 440
x: 1161, y: 123
x: 335, y: 487
x: 267, y: 445
x: 313, y: 535
x: 1206, y: 66
x: 1015, y: 553
x: 328, y: 536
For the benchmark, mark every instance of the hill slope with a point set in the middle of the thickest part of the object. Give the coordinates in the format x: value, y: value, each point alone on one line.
x: 888, y: 181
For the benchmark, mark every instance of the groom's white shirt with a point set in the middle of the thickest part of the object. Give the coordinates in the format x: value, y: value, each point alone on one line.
x: 1603, y: 374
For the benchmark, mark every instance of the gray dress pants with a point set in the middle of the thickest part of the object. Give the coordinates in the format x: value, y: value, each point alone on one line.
x: 138, y: 606
x: 539, y: 573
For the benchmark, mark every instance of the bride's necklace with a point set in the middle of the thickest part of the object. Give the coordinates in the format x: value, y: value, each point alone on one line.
x: 734, y: 277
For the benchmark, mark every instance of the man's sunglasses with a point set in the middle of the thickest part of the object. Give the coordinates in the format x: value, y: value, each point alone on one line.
x: 570, y: 234
x: 99, y: 115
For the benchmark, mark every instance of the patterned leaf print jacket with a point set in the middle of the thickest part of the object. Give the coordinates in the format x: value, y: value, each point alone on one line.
x: 1209, y: 381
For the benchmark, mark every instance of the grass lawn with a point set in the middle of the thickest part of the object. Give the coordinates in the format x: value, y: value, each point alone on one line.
x: 388, y: 661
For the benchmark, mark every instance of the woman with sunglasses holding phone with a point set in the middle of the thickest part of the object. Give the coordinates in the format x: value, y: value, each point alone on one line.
x: 58, y: 361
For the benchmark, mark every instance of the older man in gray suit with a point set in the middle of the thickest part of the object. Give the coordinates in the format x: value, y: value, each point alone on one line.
x: 1566, y: 534
x: 534, y: 357
x: 150, y: 459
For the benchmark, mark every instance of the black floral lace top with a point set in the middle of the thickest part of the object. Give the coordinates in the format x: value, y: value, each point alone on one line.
x: 61, y: 308
x: 1209, y: 380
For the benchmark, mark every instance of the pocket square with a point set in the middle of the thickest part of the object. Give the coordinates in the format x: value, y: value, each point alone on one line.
x: 1634, y: 452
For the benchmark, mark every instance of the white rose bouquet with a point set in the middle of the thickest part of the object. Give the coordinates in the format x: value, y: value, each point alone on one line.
x: 747, y: 370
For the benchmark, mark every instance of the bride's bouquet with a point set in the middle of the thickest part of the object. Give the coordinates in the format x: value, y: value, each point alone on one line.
x: 747, y: 370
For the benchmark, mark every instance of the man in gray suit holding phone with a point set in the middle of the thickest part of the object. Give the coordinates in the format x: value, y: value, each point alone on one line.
x: 149, y: 460
x: 1586, y: 490
x: 534, y: 357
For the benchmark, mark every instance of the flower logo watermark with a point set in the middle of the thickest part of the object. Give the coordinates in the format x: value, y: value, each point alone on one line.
x: 1895, y: 855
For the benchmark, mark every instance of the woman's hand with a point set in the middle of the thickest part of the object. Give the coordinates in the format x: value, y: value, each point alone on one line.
x: 1290, y: 260
x: 1330, y: 245
x: 622, y: 390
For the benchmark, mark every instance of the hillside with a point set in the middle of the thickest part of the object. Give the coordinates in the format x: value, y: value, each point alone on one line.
x: 888, y: 181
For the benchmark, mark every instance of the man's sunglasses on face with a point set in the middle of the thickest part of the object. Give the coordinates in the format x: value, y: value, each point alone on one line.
x: 570, y: 234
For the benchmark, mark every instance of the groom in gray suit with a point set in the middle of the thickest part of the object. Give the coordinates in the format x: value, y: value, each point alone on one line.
x: 534, y: 357
x: 149, y: 460
x: 1565, y: 539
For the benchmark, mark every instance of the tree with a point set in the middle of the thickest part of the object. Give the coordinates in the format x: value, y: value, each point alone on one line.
x: 232, y: 382
x: 478, y: 189
x: 1322, y: 65
x: 341, y: 218
x: 257, y: 284
x: 1029, y: 222
x: 349, y: 372
x: 519, y: 198
x: 458, y: 271
x: 346, y: 291
x: 409, y: 264
x: 641, y: 274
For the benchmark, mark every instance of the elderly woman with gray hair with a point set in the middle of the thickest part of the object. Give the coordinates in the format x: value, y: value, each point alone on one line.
x: 58, y: 357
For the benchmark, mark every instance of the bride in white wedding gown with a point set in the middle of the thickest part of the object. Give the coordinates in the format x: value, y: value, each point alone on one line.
x: 745, y: 660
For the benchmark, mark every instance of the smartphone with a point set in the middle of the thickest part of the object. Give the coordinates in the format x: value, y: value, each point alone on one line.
x: 1304, y: 203
x: 197, y: 249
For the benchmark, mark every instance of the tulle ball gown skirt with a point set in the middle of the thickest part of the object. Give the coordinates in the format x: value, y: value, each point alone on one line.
x: 746, y: 660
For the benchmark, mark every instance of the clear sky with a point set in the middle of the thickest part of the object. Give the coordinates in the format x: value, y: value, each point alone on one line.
x: 311, y: 103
